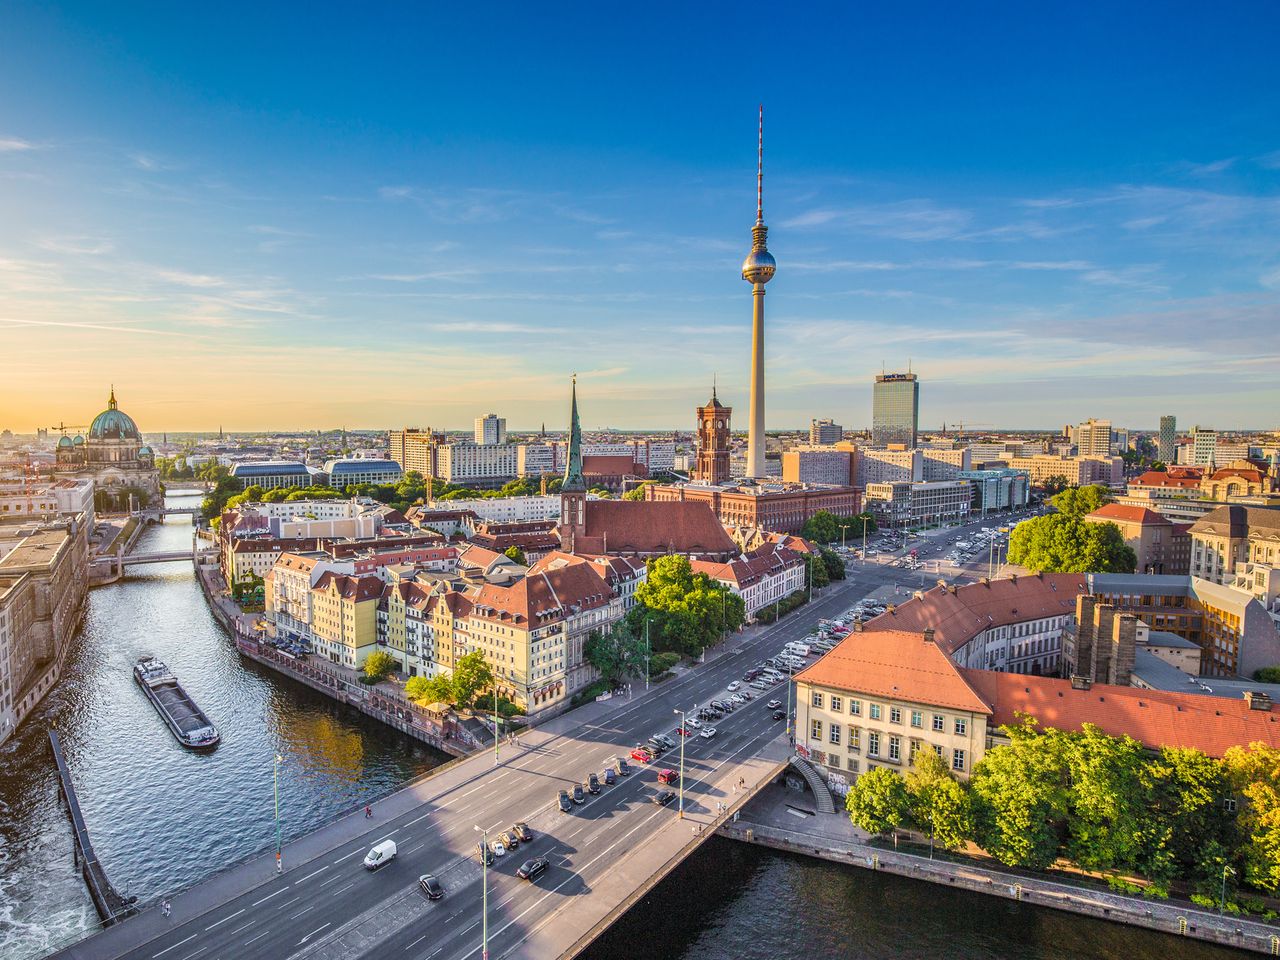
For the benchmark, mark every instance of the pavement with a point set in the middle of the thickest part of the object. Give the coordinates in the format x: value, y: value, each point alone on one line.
x: 325, y: 904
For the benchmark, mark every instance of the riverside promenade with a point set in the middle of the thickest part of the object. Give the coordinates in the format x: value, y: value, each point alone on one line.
x: 785, y: 819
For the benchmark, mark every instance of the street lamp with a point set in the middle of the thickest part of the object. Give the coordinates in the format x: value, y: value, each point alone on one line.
x: 790, y: 673
x: 279, y: 861
x: 648, y: 653
x: 497, y: 725
x: 484, y: 893
x: 1222, y: 901
x: 684, y: 730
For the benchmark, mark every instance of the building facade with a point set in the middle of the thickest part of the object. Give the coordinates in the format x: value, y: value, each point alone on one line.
x: 1160, y: 545
x: 490, y: 429
x: 114, y: 457
x: 998, y: 489
x: 270, y: 474
x: 1167, y: 445
x: 783, y: 508
x: 825, y: 431
x: 824, y: 465
x: 895, y: 409
x: 343, y: 473
x: 712, y: 463
x: 904, y: 504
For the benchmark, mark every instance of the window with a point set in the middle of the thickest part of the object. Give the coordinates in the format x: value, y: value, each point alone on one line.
x: 937, y: 750
x: 962, y: 726
x: 957, y: 759
x: 855, y: 738
x: 1229, y: 804
x: 913, y: 750
x: 837, y: 703
x: 815, y: 732
x: 939, y: 722
x: 895, y: 748
x: 917, y: 719
x: 855, y: 707
x: 833, y: 759
x: 817, y: 699
x: 833, y: 733
x: 875, y: 711
x: 873, y: 744
x: 895, y: 715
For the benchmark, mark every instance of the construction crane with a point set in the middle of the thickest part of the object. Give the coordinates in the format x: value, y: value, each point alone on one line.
x: 961, y: 425
x: 64, y: 427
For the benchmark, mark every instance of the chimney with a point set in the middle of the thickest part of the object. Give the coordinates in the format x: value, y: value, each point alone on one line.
x: 1257, y: 700
x: 985, y: 581
x: 890, y: 608
x: 1080, y: 683
x: 857, y: 626
x: 1013, y: 577
x: 928, y: 635
x: 942, y: 583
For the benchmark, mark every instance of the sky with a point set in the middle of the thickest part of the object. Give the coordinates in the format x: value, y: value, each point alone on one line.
x: 264, y: 216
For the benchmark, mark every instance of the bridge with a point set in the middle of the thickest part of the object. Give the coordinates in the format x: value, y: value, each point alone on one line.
x: 604, y: 854
x: 163, y: 556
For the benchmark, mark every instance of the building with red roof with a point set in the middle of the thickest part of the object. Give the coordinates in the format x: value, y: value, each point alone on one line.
x: 1160, y: 545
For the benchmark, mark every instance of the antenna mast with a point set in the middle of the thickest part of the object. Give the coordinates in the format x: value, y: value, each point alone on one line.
x: 760, y: 171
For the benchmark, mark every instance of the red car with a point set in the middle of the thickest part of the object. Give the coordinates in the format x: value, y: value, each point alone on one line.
x: 683, y: 732
x: 641, y: 755
x: 668, y: 777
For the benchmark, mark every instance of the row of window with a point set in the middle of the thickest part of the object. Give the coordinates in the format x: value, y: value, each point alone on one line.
x: 875, y: 711
x: 875, y: 740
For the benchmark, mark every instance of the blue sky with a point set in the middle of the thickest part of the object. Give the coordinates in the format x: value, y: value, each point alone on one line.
x: 307, y: 216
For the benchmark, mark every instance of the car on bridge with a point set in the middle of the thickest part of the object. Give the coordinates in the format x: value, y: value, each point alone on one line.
x: 663, y: 797
x: 431, y: 886
x: 532, y: 868
x: 641, y: 755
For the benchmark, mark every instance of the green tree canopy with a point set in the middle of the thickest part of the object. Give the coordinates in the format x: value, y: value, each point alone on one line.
x: 471, y: 675
x: 1079, y: 501
x: 379, y: 664
x: 877, y: 802
x: 938, y: 805
x: 1063, y: 543
x: 516, y: 554
x: 617, y: 653
x: 1254, y: 773
x: 821, y: 527
x: 834, y: 565
x: 425, y: 690
x: 687, y: 612
x: 636, y: 493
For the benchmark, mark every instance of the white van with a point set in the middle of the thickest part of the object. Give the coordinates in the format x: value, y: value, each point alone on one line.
x: 380, y: 855
x: 799, y: 649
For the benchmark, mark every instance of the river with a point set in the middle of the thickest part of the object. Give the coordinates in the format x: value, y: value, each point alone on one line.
x: 162, y: 817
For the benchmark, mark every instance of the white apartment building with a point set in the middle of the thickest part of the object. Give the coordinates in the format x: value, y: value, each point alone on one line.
x: 1093, y: 438
x: 468, y: 463
x: 889, y: 466
x: 491, y: 429
x: 903, y: 503
x: 656, y: 456
x: 938, y: 464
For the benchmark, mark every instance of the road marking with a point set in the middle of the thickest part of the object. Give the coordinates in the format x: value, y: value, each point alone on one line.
x: 416, y: 942
x: 336, y: 876
x: 258, y: 937
x: 407, y: 852
x: 196, y: 954
x: 287, y: 902
x: 223, y: 920
x: 174, y: 947
x: 416, y: 819
x: 301, y: 912
x: 353, y: 853
x: 242, y: 929
x: 346, y: 887
x: 388, y: 836
x: 312, y: 934
x: 312, y: 874
x: 269, y: 896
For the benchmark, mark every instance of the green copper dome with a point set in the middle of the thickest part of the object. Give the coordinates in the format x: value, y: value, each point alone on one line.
x: 65, y: 441
x: 78, y: 442
x: 113, y: 424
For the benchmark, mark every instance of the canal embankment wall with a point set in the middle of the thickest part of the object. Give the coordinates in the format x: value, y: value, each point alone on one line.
x: 1171, y: 918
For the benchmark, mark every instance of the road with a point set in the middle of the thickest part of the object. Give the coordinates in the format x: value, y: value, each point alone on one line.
x: 383, y: 914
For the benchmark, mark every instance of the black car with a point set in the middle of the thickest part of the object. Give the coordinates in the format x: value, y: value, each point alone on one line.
x: 663, y: 797
x: 521, y: 830
x: 532, y: 868
x: 578, y: 795
x: 431, y: 886
x: 565, y: 803
x: 485, y: 854
x: 593, y: 783
x: 779, y: 715
x: 610, y: 778
x: 623, y: 769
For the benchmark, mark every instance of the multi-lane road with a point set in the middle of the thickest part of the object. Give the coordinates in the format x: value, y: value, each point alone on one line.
x: 330, y: 906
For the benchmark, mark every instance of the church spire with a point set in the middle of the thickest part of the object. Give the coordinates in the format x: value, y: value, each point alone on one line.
x: 111, y: 403
x: 573, y: 467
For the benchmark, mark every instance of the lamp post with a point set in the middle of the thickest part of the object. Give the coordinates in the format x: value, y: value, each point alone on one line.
x: 484, y: 893
x: 648, y: 653
x: 790, y: 674
x: 864, y: 538
x: 1222, y: 900
x: 683, y: 736
x: 497, y: 726
x: 276, y: 778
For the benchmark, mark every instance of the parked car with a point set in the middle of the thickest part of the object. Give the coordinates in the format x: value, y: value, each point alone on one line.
x: 668, y: 777
x: 761, y: 684
x: 620, y: 764
x: 508, y: 840
x: 746, y: 695
x: 684, y: 732
x: 666, y: 741
x: 707, y: 733
x: 484, y: 854
x: 532, y: 868
x: 431, y: 886
x: 663, y: 797
x: 565, y: 803
x: 521, y: 829
x: 610, y: 778
x: 693, y: 723
x: 733, y: 686
x: 578, y: 795
x: 641, y: 755
x: 655, y: 746
x: 774, y: 704
x: 593, y: 783
x: 499, y: 848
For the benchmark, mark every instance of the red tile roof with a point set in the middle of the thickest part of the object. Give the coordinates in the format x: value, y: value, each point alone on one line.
x: 895, y: 664
x: 654, y: 528
x: 1119, y: 513
x: 1154, y: 718
x: 959, y: 614
x: 350, y: 588
x: 612, y: 465
x: 1158, y: 478
x: 544, y: 597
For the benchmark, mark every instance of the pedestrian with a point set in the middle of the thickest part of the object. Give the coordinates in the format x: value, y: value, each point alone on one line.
x: 164, y: 907
x: 368, y: 811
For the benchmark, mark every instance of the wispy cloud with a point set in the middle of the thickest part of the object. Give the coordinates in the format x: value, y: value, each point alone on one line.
x: 86, y: 246
x: 15, y: 145
x: 903, y: 220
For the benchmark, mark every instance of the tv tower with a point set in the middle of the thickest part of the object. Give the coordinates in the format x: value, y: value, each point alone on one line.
x: 757, y: 270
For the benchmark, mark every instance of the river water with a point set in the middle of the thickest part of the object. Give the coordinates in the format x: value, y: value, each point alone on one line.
x: 162, y: 817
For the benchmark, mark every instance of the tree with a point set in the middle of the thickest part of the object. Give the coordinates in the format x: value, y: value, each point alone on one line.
x: 1267, y: 675
x: 1055, y: 484
x: 818, y: 577
x: 1107, y: 801
x: 516, y: 554
x: 1063, y: 543
x: 1254, y: 773
x: 378, y: 665
x: 637, y: 493
x: 833, y: 564
x: 938, y: 805
x: 1079, y: 501
x: 822, y: 527
x: 618, y: 653
x: 425, y: 690
x: 877, y: 801
x: 1020, y: 797
x: 1187, y: 831
x: 687, y: 612
x: 471, y: 675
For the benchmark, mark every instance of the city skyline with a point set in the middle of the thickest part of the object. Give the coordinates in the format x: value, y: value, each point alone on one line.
x: 434, y: 248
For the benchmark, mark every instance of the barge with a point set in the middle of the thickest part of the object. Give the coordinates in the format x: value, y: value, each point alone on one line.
x: 187, y: 721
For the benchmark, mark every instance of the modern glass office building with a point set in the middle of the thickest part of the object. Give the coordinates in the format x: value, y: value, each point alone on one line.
x: 895, y: 409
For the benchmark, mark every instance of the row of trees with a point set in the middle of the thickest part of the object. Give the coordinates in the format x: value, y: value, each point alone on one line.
x: 826, y: 527
x: 1102, y: 802
x: 1065, y: 542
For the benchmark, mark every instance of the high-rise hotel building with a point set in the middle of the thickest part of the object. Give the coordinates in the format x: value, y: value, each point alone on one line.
x: 895, y: 409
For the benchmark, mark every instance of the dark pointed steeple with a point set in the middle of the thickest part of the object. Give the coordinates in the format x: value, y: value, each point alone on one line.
x: 573, y: 467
